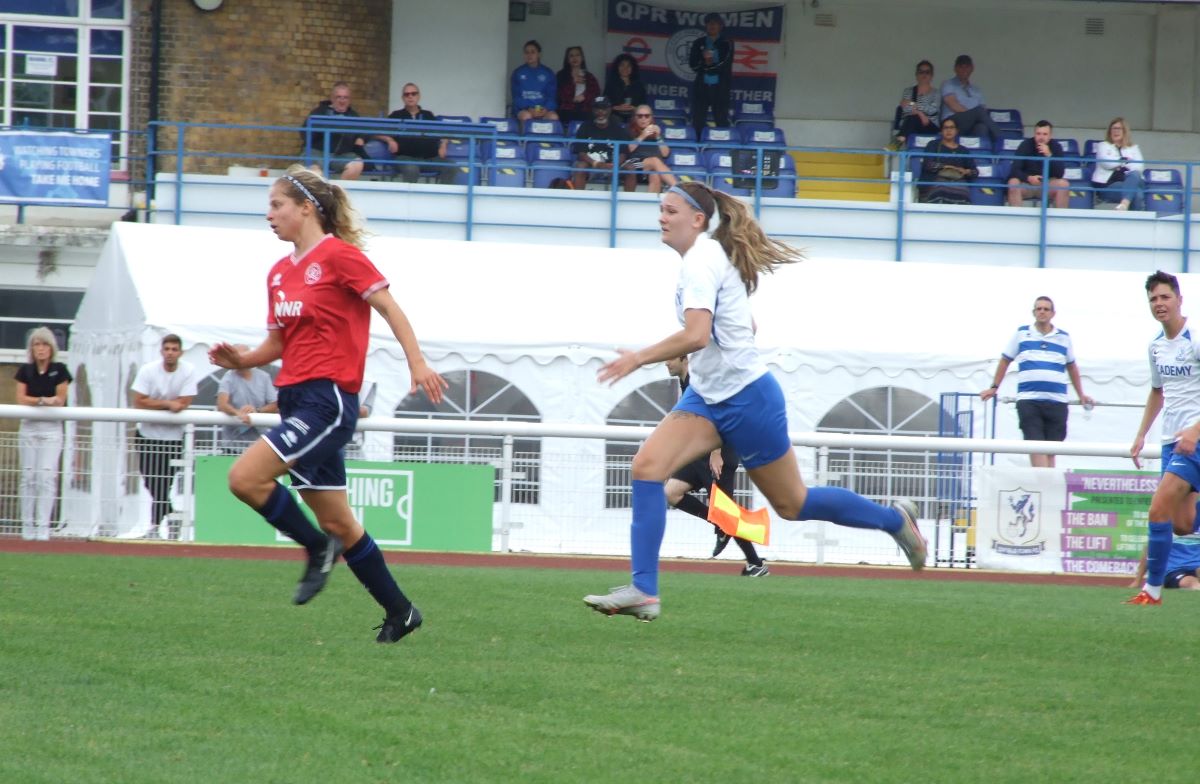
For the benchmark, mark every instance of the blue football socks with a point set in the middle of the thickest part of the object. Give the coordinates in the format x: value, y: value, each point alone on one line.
x: 365, y: 559
x: 646, y: 533
x: 1158, y: 548
x: 841, y: 506
x: 282, y: 511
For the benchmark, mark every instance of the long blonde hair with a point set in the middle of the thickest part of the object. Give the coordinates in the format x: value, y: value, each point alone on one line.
x: 750, y: 250
x: 1126, y: 139
x: 42, y: 335
x: 338, y: 217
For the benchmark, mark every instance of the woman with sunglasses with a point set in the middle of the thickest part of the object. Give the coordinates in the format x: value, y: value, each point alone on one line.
x: 646, y: 153
x: 919, y: 106
x: 731, y: 399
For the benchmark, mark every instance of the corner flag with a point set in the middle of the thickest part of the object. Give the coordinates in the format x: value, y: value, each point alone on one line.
x: 724, y: 513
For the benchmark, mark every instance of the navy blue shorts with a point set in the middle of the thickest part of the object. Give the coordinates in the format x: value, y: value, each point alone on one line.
x: 1042, y: 420
x: 1175, y: 576
x: 318, y: 421
x: 753, y: 422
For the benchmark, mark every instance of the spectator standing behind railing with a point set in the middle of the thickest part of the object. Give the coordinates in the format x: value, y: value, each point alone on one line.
x: 646, y: 154
x: 946, y: 169
x: 534, y: 87
x: 577, y: 88
x: 711, y: 58
x: 1045, y: 361
x: 241, y: 393
x: 1025, y: 177
x: 598, y: 139
x: 963, y: 100
x: 624, y: 88
x: 345, y: 149
x: 40, y: 382
x: 168, y: 384
x: 1119, y: 167
x: 919, y: 106
x: 418, y: 148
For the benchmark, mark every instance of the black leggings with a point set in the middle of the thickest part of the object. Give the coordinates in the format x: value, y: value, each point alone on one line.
x: 158, y: 474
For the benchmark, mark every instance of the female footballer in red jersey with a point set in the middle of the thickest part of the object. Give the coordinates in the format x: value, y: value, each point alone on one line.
x: 318, y: 320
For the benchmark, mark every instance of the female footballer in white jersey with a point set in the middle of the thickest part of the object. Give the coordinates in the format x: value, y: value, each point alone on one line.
x: 732, y: 399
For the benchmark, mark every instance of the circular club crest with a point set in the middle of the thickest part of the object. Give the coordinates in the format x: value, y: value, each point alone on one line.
x: 679, y: 49
x: 313, y: 273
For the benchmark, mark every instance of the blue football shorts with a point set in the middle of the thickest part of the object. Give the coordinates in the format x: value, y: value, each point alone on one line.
x: 1186, y: 467
x: 318, y: 420
x: 753, y: 422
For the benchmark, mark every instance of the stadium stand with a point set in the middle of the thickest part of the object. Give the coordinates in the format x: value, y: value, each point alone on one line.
x: 1164, y: 191
x: 1007, y: 120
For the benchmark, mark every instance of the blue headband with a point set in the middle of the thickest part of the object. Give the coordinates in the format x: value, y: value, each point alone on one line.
x: 686, y: 197
x: 307, y: 193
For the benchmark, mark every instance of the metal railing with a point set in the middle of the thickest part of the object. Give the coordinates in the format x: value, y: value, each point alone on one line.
x: 559, y: 500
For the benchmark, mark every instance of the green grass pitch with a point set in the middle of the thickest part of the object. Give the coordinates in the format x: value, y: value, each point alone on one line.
x: 165, y: 670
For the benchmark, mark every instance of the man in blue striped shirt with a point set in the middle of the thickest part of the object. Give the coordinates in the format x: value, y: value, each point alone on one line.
x: 1045, y: 360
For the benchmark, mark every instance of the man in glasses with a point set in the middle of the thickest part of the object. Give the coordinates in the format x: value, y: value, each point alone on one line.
x: 1045, y: 361
x: 415, y: 149
x: 345, y: 150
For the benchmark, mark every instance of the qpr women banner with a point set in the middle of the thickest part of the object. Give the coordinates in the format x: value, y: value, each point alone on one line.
x: 659, y: 39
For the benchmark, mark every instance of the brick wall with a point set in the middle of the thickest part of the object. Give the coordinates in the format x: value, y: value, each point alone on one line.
x: 261, y: 62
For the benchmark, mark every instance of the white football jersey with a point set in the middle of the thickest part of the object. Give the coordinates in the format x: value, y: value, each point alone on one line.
x: 1175, y: 369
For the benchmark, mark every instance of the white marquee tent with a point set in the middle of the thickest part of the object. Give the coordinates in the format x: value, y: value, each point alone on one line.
x: 544, y: 318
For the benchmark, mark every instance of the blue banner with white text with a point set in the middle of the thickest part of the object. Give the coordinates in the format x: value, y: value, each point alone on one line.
x: 659, y: 39
x: 48, y: 167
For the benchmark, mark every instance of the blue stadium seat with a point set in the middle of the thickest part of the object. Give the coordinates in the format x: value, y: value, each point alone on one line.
x: 1164, y: 191
x: 718, y: 136
x: 462, y: 172
x: 507, y: 172
x: 542, y: 152
x: 544, y: 174
x: 460, y: 149
x: 755, y: 136
x: 687, y: 165
x: 377, y: 157
x: 572, y: 127
x: 1070, y: 148
x: 672, y: 122
x: 988, y: 190
x: 1006, y: 145
x: 669, y: 107
x: 542, y: 128
x: 1082, y: 195
x: 455, y: 118
x: 503, y: 124
x: 683, y: 134
x: 753, y: 112
x: 1007, y: 120
x: 1089, y: 148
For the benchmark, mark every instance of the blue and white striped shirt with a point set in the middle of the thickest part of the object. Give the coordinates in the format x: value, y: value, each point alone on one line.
x: 1041, y: 363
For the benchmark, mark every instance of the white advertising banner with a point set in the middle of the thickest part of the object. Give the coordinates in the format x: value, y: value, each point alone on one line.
x: 1049, y: 520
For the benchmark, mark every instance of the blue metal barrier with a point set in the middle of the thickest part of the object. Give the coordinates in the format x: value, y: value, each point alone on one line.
x: 895, y: 170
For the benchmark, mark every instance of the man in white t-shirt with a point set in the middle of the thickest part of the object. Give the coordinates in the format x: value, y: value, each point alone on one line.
x: 168, y: 385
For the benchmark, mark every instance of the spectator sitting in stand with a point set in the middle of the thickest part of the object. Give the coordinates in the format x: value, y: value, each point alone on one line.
x: 1025, y: 177
x: 919, y: 106
x: 418, y: 148
x: 947, y: 169
x: 345, y: 149
x: 577, y: 88
x: 534, y: 87
x: 1118, y: 173
x: 963, y: 100
x: 624, y: 88
x: 596, y: 152
x: 646, y: 153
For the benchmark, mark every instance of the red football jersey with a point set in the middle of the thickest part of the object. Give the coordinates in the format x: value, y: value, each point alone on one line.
x: 320, y: 303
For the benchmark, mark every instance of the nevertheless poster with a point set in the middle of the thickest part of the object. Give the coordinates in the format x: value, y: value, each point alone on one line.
x: 1078, y: 522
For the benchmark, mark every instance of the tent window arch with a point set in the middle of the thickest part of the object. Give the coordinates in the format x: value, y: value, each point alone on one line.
x: 645, y: 406
x: 884, y: 475
x: 475, y: 395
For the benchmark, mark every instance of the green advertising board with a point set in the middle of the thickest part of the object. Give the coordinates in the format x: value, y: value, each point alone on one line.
x: 419, y: 506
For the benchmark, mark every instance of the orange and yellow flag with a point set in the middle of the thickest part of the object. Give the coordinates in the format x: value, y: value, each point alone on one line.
x: 724, y: 513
